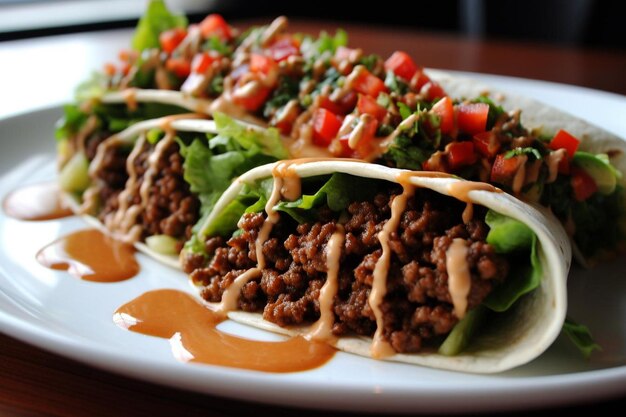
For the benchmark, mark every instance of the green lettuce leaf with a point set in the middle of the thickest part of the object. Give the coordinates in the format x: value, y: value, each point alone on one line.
x: 461, y: 335
x: 581, y: 337
x: 252, y: 198
x: 267, y: 140
x: 157, y: 19
x: 337, y: 193
x: 507, y: 235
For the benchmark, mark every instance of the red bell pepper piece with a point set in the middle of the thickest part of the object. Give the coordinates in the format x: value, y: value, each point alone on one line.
x: 261, y: 63
x: 171, y: 38
x: 504, y: 169
x: 401, y: 64
x: 368, y: 84
x: 368, y: 105
x: 472, y: 117
x: 201, y: 62
x: 485, y: 145
x: 215, y: 25
x: 179, y: 66
x: 444, y: 109
x: 564, y: 140
x: 432, y: 91
x: 363, y: 146
x: 325, y: 127
x: 251, y: 101
x: 461, y: 154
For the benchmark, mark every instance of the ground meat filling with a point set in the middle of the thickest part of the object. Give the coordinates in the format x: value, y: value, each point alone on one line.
x: 417, y: 307
x: 170, y: 209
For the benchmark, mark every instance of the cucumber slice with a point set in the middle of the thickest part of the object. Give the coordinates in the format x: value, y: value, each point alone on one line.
x: 599, y: 168
x: 74, y: 176
x: 163, y: 244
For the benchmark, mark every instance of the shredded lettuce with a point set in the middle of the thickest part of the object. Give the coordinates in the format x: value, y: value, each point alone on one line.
x: 581, y: 337
x: 157, y: 19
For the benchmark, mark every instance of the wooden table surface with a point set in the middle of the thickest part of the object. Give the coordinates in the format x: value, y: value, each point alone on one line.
x: 34, y: 382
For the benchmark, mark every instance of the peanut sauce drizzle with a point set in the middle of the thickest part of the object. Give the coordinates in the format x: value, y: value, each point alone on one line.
x: 191, y: 330
x: 36, y: 202
x: 461, y: 189
x: 322, y: 328
x: 90, y: 255
x: 459, y: 278
x: 380, y: 347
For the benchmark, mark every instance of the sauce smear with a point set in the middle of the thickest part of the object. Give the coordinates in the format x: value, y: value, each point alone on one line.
x: 91, y: 255
x: 36, y: 202
x: 191, y: 329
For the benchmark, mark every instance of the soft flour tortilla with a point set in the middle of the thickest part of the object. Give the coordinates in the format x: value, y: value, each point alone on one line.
x: 518, y: 336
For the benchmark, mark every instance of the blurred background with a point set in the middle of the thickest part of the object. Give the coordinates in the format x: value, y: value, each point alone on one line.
x: 586, y: 23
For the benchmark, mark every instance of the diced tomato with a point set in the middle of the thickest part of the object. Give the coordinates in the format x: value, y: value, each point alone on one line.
x: 364, y: 145
x: 283, y: 48
x: 179, y: 66
x: 401, y: 64
x: 368, y: 105
x: 504, y: 169
x: 420, y: 80
x: 284, y: 126
x: 432, y: 91
x: 201, y: 62
x: 444, y: 109
x: 261, y: 63
x: 251, y: 101
x: 325, y: 127
x: 564, y: 140
x: 326, y: 103
x: 369, y: 84
x: 215, y: 25
x: 485, y: 145
x: 461, y: 154
x: 472, y: 117
x: 347, y: 103
x: 583, y: 184
x: 170, y: 39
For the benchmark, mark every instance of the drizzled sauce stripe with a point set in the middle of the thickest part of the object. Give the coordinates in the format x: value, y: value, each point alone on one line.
x: 380, y: 347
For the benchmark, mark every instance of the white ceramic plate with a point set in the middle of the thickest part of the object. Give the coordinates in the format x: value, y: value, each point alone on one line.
x: 52, y: 310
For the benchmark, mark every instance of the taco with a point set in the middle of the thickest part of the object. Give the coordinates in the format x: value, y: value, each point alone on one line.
x: 152, y: 182
x: 334, y: 101
x: 413, y: 267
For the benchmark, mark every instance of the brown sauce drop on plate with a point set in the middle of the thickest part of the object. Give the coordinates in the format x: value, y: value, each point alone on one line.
x: 91, y: 255
x: 191, y: 329
x: 36, y: 202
